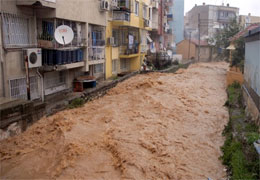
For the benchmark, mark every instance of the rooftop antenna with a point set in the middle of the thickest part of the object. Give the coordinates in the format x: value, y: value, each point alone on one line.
x: 64, y: 35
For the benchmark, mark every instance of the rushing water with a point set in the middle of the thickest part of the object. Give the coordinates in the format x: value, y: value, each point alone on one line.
x: 153, y: 126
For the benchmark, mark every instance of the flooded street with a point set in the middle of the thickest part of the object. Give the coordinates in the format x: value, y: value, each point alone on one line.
x: 152, y: 126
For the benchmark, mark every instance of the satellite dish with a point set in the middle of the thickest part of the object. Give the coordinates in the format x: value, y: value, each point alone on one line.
x: 64, y: 34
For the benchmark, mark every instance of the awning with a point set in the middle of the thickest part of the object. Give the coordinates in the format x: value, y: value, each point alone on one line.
x: 231, y: 47
x: 149, y: 39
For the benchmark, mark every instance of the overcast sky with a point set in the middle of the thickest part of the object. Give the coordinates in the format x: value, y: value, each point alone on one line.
x: 245, y: 6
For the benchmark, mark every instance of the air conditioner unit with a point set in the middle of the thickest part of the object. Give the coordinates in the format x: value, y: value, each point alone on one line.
x: 146, y: 23
x: 114, y: 4
x: 111, y: 41
x: 104, y: 5
x: 34, y: 57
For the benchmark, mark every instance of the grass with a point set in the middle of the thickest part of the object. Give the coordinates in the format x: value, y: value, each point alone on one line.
x: 239, y: 154
x: 78, y: 102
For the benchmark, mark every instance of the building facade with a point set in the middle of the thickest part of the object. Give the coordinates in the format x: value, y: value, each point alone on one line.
x: 162, y: 32
x: 210, y: 18
x: 252, y: 73
x: 28, y: 26
x: 247, y: 20
x: 189, y: 50
x: 178, y: 20
x: 127, y: 30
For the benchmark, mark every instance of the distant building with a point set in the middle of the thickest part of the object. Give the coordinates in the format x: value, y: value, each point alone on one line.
x: 252, y: 73
x: 247, y: 20
x: 212, y: 19
x: 178, y: 20
x: 189, y: 50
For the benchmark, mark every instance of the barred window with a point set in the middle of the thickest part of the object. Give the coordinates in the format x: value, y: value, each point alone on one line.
x: 124, y: 64
x: 98, y: 68
x: 115, y: 34
x: 15, y: 30
x: 114, y: 66
x: 18, y: 88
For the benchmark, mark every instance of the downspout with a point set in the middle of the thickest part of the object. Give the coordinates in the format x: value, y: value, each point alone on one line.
x: 42, y: 84
x: 1, y: 52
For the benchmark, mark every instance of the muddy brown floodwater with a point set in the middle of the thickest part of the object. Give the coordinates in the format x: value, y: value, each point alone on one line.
x: 152, y: 126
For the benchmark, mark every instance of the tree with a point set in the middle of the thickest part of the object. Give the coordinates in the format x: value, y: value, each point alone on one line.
x: 238, y: 56
x: 222, y: 38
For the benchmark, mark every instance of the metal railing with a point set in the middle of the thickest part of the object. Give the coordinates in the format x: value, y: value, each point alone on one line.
x: 126, y: 50
x: 121, y: 16
x: 18, y: 88
x: 96, y: 53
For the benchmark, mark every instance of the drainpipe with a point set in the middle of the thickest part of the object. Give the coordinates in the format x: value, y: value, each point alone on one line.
x: 26, y: 60
x: 42, y: 84
x: 2, y: 63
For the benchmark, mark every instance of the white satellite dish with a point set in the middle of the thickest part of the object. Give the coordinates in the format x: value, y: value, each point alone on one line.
x: 64, y: 34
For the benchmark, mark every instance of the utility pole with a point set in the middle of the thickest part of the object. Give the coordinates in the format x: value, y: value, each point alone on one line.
x: 189, y: 45
x: 199, y: 37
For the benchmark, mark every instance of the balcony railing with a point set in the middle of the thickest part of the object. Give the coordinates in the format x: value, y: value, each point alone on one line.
x: 51, y: 57
x: 96, y: 53
x: 121, y: 16
x: 126, y: 50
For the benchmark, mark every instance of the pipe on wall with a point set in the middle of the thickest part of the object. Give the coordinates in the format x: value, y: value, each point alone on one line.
x: 2, y: 63
x: 42, y: 84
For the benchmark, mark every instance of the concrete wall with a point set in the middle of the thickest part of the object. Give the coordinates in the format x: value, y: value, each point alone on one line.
x: 252, y: 65
x: 85, y: 11
x: 205, y: 53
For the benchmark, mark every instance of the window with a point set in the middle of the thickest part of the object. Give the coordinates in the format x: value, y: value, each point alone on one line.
x: 115, y: 34
x: 98, y: 68
x: 114, y: 66
x: 137, y: 8
x: 144, y: 12
x: 16, y: 30
x: 54, y: 79
x: 124, y: 64
x: 97, y: 38
x: 18, y: 88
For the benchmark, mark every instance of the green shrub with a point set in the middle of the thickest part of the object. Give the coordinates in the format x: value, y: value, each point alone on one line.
x: 252, y: 137
x: 238, y: 164
x: 78, y: 102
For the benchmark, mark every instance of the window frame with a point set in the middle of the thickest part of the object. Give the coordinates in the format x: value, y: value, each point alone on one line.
x: 16, y: 24
x: 136, y: 12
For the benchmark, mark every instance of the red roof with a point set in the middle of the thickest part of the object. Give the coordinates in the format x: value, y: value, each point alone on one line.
x: 243, y: 32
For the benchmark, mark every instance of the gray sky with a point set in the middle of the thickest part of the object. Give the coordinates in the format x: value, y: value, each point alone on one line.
x: 245, y: 6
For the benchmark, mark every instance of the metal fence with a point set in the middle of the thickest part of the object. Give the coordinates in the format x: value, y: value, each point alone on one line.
x: 18, y: 88
x: 96, y: 53
x: 15, y: 30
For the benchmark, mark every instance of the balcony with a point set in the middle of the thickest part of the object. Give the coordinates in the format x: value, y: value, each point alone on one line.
x: 170, y: 17
x: 155, y: 4
x: 96, y: 54
x: 37, y: 3
x: 129, y: 52
x: 124, y: 5
x: 121, y: 16
x: 62, y: 59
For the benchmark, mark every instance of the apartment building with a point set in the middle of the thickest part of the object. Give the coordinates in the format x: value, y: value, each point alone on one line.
x: 178, y: 20
x: 162, y: 31
x: 127, y: 34
x: 212, y: 19
x: 247, y: 20
x: 27, y: 31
